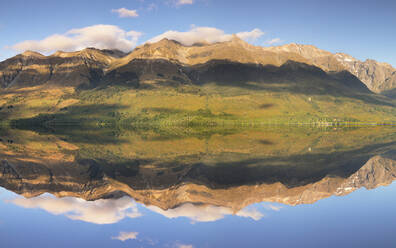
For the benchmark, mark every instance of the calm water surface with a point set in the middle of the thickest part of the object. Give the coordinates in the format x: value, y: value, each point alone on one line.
x: 279, y: 187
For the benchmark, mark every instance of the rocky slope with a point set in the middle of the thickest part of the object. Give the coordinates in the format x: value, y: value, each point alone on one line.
x: 60, y: 69
x: 379, y: 77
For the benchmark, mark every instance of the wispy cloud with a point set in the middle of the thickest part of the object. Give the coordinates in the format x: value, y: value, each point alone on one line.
x: 273, y: 41
x: 206, y: 34
x: 124, y: 236
x: 183, y: 246
x: 103, y: 211
x: 183, y: 2
x: 98, y: 36
x: 251, y: 35
x: 272, y: 207
x: 125, y: 13
x: 152, y: 7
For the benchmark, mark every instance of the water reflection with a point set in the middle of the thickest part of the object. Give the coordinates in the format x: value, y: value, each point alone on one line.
x: 102, y: 211
x: 77, y: 187
x: 201, y: 178
x: 110, y: 211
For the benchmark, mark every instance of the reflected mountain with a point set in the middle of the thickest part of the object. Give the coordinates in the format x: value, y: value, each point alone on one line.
x: 201, y: 178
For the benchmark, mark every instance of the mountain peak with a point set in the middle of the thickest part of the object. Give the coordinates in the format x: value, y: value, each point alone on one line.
x: 235, y: 39
x: 29, y: 53
x: 59, y: 53
x: 166, y: 41
x: 372, y: 61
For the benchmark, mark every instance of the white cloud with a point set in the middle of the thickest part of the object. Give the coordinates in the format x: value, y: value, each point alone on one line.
x: 252, y: 35
x: 205, y: 213
x: 124, y: 236
x: 98, y: 36
x: 103, y: 211
x: 205, y: 34
x: 125, y: 13
x: 183, y: 2
x: 273, y: 41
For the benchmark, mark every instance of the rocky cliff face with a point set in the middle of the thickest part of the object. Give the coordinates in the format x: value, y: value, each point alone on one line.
x: 378, y: 77
x: 60, y: 69
x: 166, y: 59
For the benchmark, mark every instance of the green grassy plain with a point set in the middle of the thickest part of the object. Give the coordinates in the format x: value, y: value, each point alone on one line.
x: 192, y: 105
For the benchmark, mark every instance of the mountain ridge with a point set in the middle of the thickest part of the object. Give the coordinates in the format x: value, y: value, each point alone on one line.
x: 204, y: 81
x: 378, y: 77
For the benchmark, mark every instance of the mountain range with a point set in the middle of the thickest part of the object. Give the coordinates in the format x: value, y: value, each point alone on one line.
x: 93, y: 65
x: 233, y: 68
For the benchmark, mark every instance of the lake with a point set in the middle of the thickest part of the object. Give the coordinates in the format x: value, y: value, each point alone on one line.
x: 275, y: 186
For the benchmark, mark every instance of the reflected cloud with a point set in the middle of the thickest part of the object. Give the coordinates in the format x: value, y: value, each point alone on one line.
x: 272, y: 207
x: 205, y: 213
x: 103, y: 211
x: 124, y: 236
x: 184, y: 246
x: 250, y: 213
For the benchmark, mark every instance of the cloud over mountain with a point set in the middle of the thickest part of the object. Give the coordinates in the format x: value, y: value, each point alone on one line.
x: 206, y: 34
x: 273, y: 41
x: 98, y: 36
x: 113, y: 37
x: 251, y: 35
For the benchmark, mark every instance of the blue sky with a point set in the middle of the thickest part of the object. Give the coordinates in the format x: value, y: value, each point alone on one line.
x: 363, y: 29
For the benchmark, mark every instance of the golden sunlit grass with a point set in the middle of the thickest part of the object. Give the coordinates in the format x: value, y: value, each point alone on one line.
x: 191, y: 106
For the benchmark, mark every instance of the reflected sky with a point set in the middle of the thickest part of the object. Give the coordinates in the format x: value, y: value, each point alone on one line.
x: 364, y: 218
